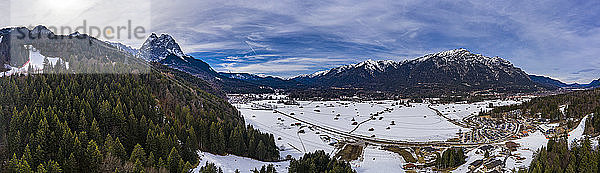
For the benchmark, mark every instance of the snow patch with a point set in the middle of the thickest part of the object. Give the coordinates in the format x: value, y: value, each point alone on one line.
x: 377, y: 160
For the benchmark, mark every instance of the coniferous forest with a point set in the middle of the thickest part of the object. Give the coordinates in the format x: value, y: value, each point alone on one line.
x: 558, y: 157
x: 319, y: 161
x: 117, y: 122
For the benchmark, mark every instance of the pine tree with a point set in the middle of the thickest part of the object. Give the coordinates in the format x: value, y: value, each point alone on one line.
x: 173, y: 160
x: 261, y: 150
x: 94, y: 157
x: 119, y: 150
x: 27, y: 155
x: 57, y: 117
x: 71, y: 164
x: 82, y: 123
x: 41, y: 169
x: 138, y: 154
x: 186, y: 167
x: 52, y: 167
x: 94, y: 131
x: 39, y: 155
x: 238, y: 144
x: 161, y: 163
x: 151, y: 160
x: 19, y: 165
x: 138, y: 166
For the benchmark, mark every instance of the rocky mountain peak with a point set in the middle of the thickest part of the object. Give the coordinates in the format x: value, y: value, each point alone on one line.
x: 157, y: 48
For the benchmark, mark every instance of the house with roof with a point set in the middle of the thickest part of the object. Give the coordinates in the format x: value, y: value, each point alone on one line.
x: 493, y: 165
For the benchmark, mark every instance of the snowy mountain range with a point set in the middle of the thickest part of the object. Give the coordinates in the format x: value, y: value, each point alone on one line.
x: 270, y: 81
x: 369, y: 66
x: 448, y: 71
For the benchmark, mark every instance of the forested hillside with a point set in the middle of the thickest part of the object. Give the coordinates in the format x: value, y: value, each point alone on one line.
x: 104, y: 110
x: 117, y: 122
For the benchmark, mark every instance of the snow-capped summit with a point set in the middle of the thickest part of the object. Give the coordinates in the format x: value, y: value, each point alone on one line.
x: 370, y: 66
x: 464, y: 56
x: 373, y: 66
x: 157, y: 48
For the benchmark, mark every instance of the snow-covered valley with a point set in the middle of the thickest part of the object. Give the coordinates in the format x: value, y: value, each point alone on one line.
x: 307, y: 126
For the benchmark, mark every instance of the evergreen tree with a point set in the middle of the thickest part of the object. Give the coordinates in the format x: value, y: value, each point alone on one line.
x: 138, y: 154
x: 173, y: 160
x: 94, y: 157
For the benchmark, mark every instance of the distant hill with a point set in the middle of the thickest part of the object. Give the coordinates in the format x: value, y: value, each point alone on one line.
x: 593, y: 84
x: 553, y: 83
x: 547, y: 82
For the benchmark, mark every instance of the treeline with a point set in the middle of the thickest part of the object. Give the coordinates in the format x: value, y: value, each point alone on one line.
x: 265, y: 169
x: 452, y: 157
x: 211, y: 168
x: 557, y: 157
x: 112, y: 122
x: 336, y: 94
x: 579, y: 104
x: 319, y: 161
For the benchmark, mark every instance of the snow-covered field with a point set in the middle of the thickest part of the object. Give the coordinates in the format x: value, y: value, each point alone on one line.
x: 230, y: 163
x: 381, y: 119
x: 415, y: 123
x: 287, y: 137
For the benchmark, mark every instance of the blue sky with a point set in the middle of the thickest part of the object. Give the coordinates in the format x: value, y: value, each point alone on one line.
x: 285, y: 38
